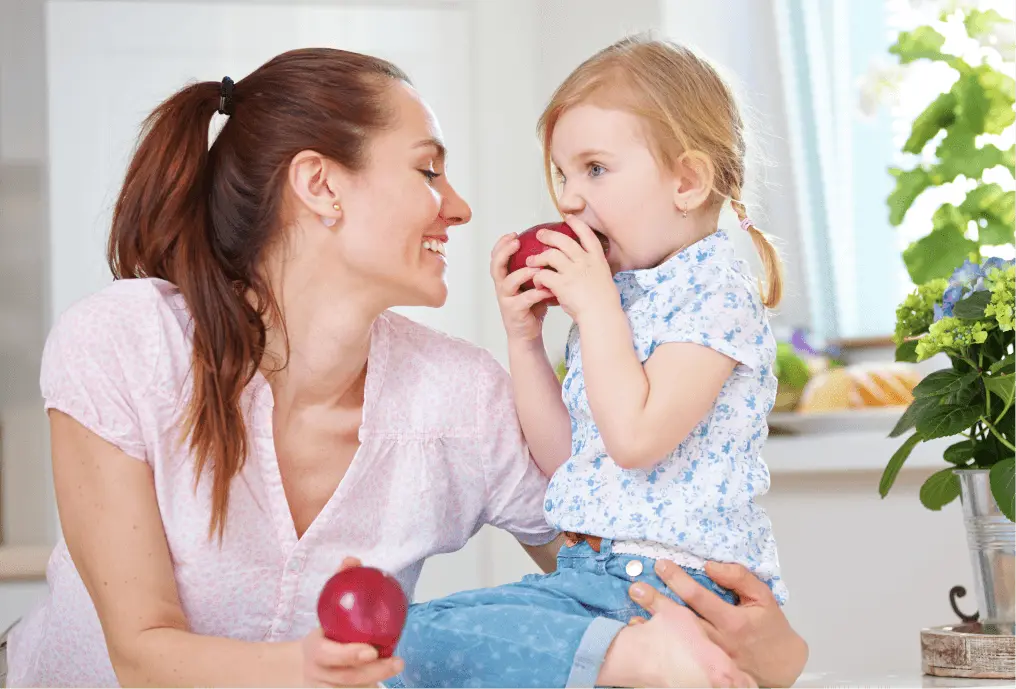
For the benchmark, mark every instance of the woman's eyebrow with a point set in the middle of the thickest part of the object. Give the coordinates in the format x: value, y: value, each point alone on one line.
x: 436, y: 144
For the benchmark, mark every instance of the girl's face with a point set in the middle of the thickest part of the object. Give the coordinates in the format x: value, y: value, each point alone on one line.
x: 610, y: 179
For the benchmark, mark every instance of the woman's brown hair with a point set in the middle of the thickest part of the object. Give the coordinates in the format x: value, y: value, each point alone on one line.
x: 201, y: 217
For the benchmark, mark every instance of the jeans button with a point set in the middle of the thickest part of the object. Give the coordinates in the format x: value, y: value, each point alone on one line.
x: 633, y: 568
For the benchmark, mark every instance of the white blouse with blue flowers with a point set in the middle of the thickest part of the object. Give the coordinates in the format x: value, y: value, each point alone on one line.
x: 701, y: 499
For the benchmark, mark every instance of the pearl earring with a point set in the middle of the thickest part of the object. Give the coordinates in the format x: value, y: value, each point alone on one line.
x: 330, y: 222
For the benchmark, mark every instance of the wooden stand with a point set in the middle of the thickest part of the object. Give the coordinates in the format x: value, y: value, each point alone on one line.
x: 963, y: 650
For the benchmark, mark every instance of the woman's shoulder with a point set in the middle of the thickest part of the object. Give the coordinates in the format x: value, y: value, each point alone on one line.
x: 426, y: 364
x: 122, y: 325
x: 420, y: 343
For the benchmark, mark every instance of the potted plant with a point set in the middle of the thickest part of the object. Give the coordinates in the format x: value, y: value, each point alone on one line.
x: 962, y: 306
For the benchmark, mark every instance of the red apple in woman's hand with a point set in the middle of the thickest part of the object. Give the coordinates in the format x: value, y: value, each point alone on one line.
x: 363, y: 605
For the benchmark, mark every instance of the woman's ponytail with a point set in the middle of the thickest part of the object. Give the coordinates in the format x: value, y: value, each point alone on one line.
x: 163, y: 228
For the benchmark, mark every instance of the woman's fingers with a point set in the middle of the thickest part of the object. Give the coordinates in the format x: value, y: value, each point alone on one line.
x: 365, y: 675
x: 707, y: 604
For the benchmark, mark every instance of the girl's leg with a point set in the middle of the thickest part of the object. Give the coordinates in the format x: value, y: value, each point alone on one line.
x: 519, y: 635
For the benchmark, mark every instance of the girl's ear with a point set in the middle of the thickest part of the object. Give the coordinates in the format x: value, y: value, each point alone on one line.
x: 694, y: 175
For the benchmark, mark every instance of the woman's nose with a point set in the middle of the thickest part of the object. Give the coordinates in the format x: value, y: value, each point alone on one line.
x: 455, y: 210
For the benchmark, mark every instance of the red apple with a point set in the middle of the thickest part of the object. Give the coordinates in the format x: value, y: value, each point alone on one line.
x: 529, y: 245
x: 363, y: 605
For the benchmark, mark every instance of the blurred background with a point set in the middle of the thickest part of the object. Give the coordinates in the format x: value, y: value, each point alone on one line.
x: 830, y: 110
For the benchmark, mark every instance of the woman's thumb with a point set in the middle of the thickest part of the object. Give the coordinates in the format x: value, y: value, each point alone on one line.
x: 348, y: 562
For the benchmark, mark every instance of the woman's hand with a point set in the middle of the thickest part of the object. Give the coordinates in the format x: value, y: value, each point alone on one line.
x: 328, y: 663
x: 521, y: 312
x: 755, y: 633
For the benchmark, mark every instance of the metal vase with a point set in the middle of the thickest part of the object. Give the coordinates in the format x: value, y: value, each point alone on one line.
x: 991, y: 538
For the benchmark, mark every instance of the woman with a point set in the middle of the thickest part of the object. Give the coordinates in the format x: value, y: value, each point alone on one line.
x: 244, y: 412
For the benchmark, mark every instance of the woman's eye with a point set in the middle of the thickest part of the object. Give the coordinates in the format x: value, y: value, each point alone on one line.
x: 430, y: 175
x: 559, y: 176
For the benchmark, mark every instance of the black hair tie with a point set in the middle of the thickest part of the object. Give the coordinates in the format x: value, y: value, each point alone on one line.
x: 226, y: 96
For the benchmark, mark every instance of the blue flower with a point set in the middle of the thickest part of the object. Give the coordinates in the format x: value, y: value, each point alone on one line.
x: 996, y: 262
x: 966, y: 276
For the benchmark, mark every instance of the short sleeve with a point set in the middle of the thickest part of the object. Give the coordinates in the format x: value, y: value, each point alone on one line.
x: 719, y: 307
x: 516, y: 487
x: 99, y: 359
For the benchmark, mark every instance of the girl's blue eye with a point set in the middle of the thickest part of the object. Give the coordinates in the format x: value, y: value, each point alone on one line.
x: 596, y: 170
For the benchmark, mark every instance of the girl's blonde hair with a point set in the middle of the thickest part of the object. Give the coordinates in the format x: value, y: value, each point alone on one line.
x: 690, y: 113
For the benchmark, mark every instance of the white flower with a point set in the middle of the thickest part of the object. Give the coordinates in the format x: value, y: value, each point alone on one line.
x: 880, y: 85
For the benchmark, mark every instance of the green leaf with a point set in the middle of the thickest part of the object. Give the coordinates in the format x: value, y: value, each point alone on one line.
x: 960, y: 453
x: 972, y: 101
x: 921, y: 43
x: 1006, y: 362
x: 1003, y: 486
x: 909, y: 185
x: 981, y: 22
x: 910, y: 415
x: 994, y: 233
x: 937, y: 116
x: 1001, y: 91
x: 907, y: 352
x: 892, y: 469
x: 959, y: 155
x: 940, y: 489
x: 972, y: 308
x: 945, y: 382
x: 994, y: 211
x: 937, y: 255
x: 945, y: 420
x: 1002, y: 387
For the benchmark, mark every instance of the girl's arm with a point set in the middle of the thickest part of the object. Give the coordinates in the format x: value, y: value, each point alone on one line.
x: 644, y: 412
x: 542, y: 413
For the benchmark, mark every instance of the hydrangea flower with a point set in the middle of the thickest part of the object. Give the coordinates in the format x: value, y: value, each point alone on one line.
x: 951, y: 335
x: 1001, y: 281
x: 917, y: 312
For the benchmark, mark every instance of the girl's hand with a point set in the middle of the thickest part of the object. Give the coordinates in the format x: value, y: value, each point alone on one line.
x: 579, y: 275
x: 521, y: 312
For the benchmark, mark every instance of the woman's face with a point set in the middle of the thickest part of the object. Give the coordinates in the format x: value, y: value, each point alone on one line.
x: 384, y: 245
x: 398, y: 209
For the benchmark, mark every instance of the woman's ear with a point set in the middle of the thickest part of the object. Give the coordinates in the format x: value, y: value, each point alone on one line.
x: 694, y: 176
x: 317, y: 182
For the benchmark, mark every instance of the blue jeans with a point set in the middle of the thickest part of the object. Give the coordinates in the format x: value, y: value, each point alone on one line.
x: 549, y: 630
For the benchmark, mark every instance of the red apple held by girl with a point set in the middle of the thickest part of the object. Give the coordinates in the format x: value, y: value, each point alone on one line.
x: 363, y: 605
x: 529, y: 245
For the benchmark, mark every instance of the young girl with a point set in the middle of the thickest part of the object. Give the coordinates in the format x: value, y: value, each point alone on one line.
x: 653, y: 440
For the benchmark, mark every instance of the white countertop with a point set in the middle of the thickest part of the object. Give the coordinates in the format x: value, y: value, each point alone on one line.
x: 903, y: 679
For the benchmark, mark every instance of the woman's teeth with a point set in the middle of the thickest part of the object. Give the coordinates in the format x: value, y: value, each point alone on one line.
x: 435, y: 245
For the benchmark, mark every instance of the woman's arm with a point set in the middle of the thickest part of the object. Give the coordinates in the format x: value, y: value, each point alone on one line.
x: 755, y: 633
x: 542, y: 413
x: 545, y: 556
x: 114, y: 533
